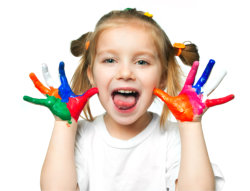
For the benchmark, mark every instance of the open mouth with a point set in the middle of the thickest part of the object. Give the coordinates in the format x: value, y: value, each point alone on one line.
x: 125, y: 99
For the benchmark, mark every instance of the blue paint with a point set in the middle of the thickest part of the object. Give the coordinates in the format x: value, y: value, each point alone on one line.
x: 204, y: 77
x: 64, y: 90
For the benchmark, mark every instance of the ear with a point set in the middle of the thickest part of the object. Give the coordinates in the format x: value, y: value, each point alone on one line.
x: 90, y: 76
x: 162, y: 86
x: 163, y: 83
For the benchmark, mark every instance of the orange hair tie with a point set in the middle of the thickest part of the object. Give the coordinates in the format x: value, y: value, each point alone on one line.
x: 179, y: 47
x: 87, y: 45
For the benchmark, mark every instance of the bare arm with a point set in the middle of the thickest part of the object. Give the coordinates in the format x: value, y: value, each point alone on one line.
x: 58, y: 171
x: 196, y: 172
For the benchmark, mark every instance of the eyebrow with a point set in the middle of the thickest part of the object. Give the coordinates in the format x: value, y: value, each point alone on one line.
x: 146, y: 53
x: 109, y: 51
x: 137, y: 54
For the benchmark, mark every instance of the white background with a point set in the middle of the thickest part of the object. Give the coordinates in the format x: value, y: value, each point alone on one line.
x: 35, y: 32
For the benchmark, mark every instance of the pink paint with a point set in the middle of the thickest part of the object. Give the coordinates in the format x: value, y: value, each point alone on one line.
x: 192, y: 74
x: 194, y: 99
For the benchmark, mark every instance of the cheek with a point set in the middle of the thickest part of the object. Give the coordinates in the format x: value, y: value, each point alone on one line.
x: 101, y: 80
x: 152, y: 79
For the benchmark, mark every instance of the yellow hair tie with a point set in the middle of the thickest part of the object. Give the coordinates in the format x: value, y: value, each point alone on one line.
x: 179, y: 46
x: 87, y: 45
x: 148, y: 14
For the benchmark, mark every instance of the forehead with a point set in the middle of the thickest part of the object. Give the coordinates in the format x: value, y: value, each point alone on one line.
x: 132, y: 33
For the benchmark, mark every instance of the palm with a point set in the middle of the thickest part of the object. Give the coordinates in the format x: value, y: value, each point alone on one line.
x: 189, y: 104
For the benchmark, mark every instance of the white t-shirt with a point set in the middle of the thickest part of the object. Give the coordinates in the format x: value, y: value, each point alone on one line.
x: 147, y: 162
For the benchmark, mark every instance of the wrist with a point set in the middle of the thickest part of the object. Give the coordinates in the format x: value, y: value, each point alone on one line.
x: 64, y: 123
x: 189, y: 126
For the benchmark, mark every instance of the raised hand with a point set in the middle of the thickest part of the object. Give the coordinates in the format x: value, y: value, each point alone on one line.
x: 191, y: 103
x: 62, y: 102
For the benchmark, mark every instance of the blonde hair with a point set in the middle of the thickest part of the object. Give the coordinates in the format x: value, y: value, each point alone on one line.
x: 171, y: 71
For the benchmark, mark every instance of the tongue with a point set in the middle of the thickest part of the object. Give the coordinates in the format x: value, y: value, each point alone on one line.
x: 124, y: 102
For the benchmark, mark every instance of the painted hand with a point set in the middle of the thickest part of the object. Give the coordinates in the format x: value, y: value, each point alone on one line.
x: 62, y: 102
x: 191, y: 103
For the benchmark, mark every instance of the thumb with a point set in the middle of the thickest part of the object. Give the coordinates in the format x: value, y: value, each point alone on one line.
x: 163, y: 96
x: 82, y: 100
x: 89, y: 93
x: 76, y: 104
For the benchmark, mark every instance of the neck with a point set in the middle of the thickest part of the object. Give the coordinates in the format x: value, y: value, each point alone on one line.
x: 126, y: 132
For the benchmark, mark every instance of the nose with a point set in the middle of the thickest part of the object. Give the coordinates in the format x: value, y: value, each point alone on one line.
x: 125, y: 72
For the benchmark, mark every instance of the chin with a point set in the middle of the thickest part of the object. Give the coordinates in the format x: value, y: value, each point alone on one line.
x: 126, y: 120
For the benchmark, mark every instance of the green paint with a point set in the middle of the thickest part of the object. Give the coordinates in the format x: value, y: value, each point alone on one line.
x: 55, y: 105
x: 127, y: 9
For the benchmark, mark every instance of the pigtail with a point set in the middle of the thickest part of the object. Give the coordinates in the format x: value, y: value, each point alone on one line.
x: 80, y: 45
x: 189, y: 54
x: 80, y: 82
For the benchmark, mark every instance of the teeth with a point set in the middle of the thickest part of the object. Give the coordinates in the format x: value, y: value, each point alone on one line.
x: 126, y: 91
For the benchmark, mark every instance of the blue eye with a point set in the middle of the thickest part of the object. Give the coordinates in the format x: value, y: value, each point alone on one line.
x: 142, y: 62
x: 109, y: 60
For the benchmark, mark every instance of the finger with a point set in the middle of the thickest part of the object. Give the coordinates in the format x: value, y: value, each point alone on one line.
x: 38, y: 84
x: 49, y: 81
x: 219, y: 101
x: 63, y: 77
x: 47, y: 76
x: 204, y: 76
x: 192, y: 74
x: 64, y: 90
x: 211, y: 86
x: 163, y: 95
x: 43, y: 102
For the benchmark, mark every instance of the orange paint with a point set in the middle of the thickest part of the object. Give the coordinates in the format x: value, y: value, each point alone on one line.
x: 180, y: 106
x: 51, y: 92
x: 54, y: 92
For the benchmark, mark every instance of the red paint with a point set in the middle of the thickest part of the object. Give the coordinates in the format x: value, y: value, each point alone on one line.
x: 214, y: 102
x: 76, y: 104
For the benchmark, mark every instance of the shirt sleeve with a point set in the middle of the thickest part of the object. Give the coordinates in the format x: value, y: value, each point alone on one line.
x: 80, y: 161
x: 173, y: 160
x: 219, y: 178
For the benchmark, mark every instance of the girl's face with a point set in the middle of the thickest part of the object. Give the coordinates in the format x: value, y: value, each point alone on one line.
x: 126, y: 70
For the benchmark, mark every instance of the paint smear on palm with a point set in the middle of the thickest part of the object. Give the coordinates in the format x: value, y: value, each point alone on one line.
x: 194, y: 99
x: 180, y: 106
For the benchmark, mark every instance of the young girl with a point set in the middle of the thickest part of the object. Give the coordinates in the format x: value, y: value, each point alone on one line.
x: 126, y: 60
